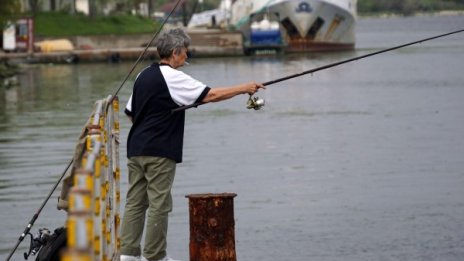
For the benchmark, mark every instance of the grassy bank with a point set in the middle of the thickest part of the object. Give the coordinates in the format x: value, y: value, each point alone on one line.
x: 407, y: 7
x: 57, y: 24
x: 52, y: 24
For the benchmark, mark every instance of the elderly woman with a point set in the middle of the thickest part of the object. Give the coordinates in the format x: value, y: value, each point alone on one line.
x: 155, y: 142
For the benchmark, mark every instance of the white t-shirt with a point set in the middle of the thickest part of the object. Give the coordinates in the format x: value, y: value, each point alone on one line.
x: 184, y: 89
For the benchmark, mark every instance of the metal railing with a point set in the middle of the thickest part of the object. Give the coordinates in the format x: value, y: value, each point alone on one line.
x: 94, y: 199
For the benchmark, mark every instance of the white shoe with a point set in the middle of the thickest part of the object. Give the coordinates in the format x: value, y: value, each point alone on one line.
x: 129, y: 258
x: 162, y: 259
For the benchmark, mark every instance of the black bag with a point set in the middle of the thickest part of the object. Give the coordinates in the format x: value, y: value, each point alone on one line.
x: 50, y: 251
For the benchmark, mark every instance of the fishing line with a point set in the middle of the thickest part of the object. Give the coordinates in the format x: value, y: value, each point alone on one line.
x: 182, y: 108
x: 36, y: 215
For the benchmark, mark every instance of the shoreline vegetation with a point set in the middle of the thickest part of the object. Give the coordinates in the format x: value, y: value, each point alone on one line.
x: 431, y: 13
x: 56, y: 24
x: 407, y: 7
x: 64, y: 25
x: 52, y: 24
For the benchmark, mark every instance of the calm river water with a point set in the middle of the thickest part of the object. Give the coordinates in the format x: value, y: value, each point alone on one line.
x: 364, y: 161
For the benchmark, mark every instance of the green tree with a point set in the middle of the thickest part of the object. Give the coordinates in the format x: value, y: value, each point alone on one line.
x: 8, y: 10
x: 408, y: 7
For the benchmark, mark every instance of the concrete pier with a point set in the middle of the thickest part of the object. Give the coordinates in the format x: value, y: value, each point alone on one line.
x: 114, y: 48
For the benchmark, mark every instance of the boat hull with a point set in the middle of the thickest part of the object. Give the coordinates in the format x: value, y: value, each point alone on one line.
x: 308, y: 25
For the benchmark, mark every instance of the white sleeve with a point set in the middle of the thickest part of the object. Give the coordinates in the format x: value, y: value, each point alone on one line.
x: 129, y: 104
x: 183, y: 88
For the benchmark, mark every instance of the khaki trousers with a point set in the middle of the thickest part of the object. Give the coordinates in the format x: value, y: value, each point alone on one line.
x: 149, y: 194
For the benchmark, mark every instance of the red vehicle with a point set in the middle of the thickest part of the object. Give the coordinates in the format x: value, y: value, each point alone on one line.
x: 25, y: 34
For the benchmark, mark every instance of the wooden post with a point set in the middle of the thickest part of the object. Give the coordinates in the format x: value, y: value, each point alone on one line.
x: 212, y: 227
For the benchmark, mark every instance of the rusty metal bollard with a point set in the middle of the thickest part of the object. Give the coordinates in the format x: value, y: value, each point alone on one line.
x: 212, y: 227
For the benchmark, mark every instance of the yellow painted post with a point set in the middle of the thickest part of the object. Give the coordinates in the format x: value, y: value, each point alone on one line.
x: 79, y: 223
x: 93, y: 219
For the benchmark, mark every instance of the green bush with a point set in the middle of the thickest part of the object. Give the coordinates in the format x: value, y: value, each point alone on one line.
x: 55, y: 24
x: 407, y: 7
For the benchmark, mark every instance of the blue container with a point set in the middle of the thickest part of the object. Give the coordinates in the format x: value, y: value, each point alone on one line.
x: 265, y: 37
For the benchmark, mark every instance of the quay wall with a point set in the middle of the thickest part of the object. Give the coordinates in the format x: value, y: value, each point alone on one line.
x: 205, y: 43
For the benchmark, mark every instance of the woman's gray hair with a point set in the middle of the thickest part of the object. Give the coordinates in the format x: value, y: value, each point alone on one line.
x: 171, y: 40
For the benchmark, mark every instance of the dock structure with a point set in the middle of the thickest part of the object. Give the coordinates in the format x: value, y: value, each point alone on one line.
x: 205, y: 43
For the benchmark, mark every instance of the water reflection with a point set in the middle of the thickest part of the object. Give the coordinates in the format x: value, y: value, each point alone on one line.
x: 41, y: 118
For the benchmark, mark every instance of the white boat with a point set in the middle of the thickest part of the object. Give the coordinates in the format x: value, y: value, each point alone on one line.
x: 304, y: 25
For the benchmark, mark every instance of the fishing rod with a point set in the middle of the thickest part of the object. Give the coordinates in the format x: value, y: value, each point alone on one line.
x: 144, y: 51
x: 256, y: 103
x: 36, y: 215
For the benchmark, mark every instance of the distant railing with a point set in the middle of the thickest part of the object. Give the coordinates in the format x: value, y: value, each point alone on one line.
x: 94, y: 199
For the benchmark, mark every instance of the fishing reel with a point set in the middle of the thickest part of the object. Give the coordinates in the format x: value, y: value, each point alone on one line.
x: 37, y: 242
x: 255, y: 103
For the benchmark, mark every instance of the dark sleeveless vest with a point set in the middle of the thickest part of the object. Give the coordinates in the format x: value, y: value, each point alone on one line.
x: 155, y: 130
